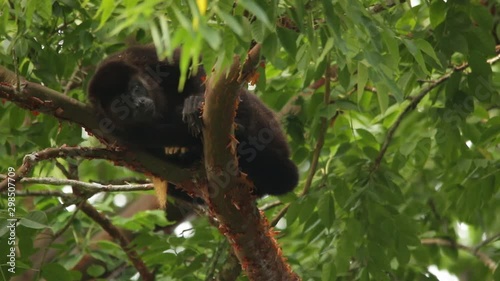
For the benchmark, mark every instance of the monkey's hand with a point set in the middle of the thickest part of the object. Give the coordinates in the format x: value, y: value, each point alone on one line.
x: 191, y: 114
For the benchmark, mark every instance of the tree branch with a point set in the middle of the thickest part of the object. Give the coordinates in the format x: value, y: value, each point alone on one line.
x: 127, y: 158
x: 239, y: 220
x: 480, y: 255
x: 92, y: 187
x: 123, y: 241
x: 317, y: 148
x: 44, y: 193
x: 487, y: 241
x: 36, y: 97
x: 413, y: 104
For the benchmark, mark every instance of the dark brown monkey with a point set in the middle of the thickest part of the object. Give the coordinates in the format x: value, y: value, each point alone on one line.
x: 136, y: 95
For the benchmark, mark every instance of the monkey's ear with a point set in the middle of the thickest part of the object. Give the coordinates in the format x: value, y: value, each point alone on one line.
x: 110, y: 80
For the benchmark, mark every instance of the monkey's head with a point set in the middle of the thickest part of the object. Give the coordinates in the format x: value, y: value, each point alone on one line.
x: 126, y: 94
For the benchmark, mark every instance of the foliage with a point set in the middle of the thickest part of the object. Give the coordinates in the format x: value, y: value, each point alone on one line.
x: 411, y: 151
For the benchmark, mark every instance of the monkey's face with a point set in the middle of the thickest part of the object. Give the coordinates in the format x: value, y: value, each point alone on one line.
x: 127, y: 95
x: 140, y: 102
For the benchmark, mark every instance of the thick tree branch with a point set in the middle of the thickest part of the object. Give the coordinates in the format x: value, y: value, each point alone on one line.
x: 239, y: 219
x: 36, y: 97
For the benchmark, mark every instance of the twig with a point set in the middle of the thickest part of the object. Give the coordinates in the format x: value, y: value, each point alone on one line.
x: 215, y: 260
x: 317, y: 150
x: 270, y: 205
x: 413, y: 104
x: 125, y: 180
x: 487, y: 241
x: 44, y: 194
x: 71, y: 82
x: 123, y: 241
x: 95, y: 187
x: 62, y: 169
x: 480, y: 255
x: 32, y: 159
x: 55, y: 236
x: 289, y: 106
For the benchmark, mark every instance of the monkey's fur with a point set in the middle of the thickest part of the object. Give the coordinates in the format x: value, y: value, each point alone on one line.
x: 136, y: 96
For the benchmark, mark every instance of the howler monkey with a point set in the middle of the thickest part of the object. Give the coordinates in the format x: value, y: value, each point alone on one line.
x: 136, y: 96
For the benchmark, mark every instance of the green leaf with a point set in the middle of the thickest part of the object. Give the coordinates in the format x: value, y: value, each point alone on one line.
x: 478, y: 64
x: 44, y: 9
x: 211, y: 36
x: 35, y: 219
x: 288, y: 40
x: 105, y: 10
x: 426, y: 47
x: 270, y: 46
x: 293, y: 212
x: 96, y: 270
x: 29, y: 11
x: 422, y: 150
x: 183, y: 20
x: 326, y: 210
x: 21, y: 47
x: 328, y: 272
x: 257, y: 11
x: 301, y: 154
x: 392, y: 43
x: 258, y: 31
x: 345, y: 250
x: 307, y: 206
x: 366, y: 136
x: 481, y: 16
x: 415, y: 51
x: 344, y: 77
x: 326, y: 49
x: 437, y: 12
x: 16, y: 117
x: 383, y: 97
x: 231, y: 22
x: 490, y: 134
x: 55, y: 272
x: 354, y: 229
x: 407, y: 22
x: 346, y: 105
x: 496, y: 274
x: 342, y: 194
x: 362, y: 79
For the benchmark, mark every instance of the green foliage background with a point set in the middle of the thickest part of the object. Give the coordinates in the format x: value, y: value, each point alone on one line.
x: 357, y: 222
